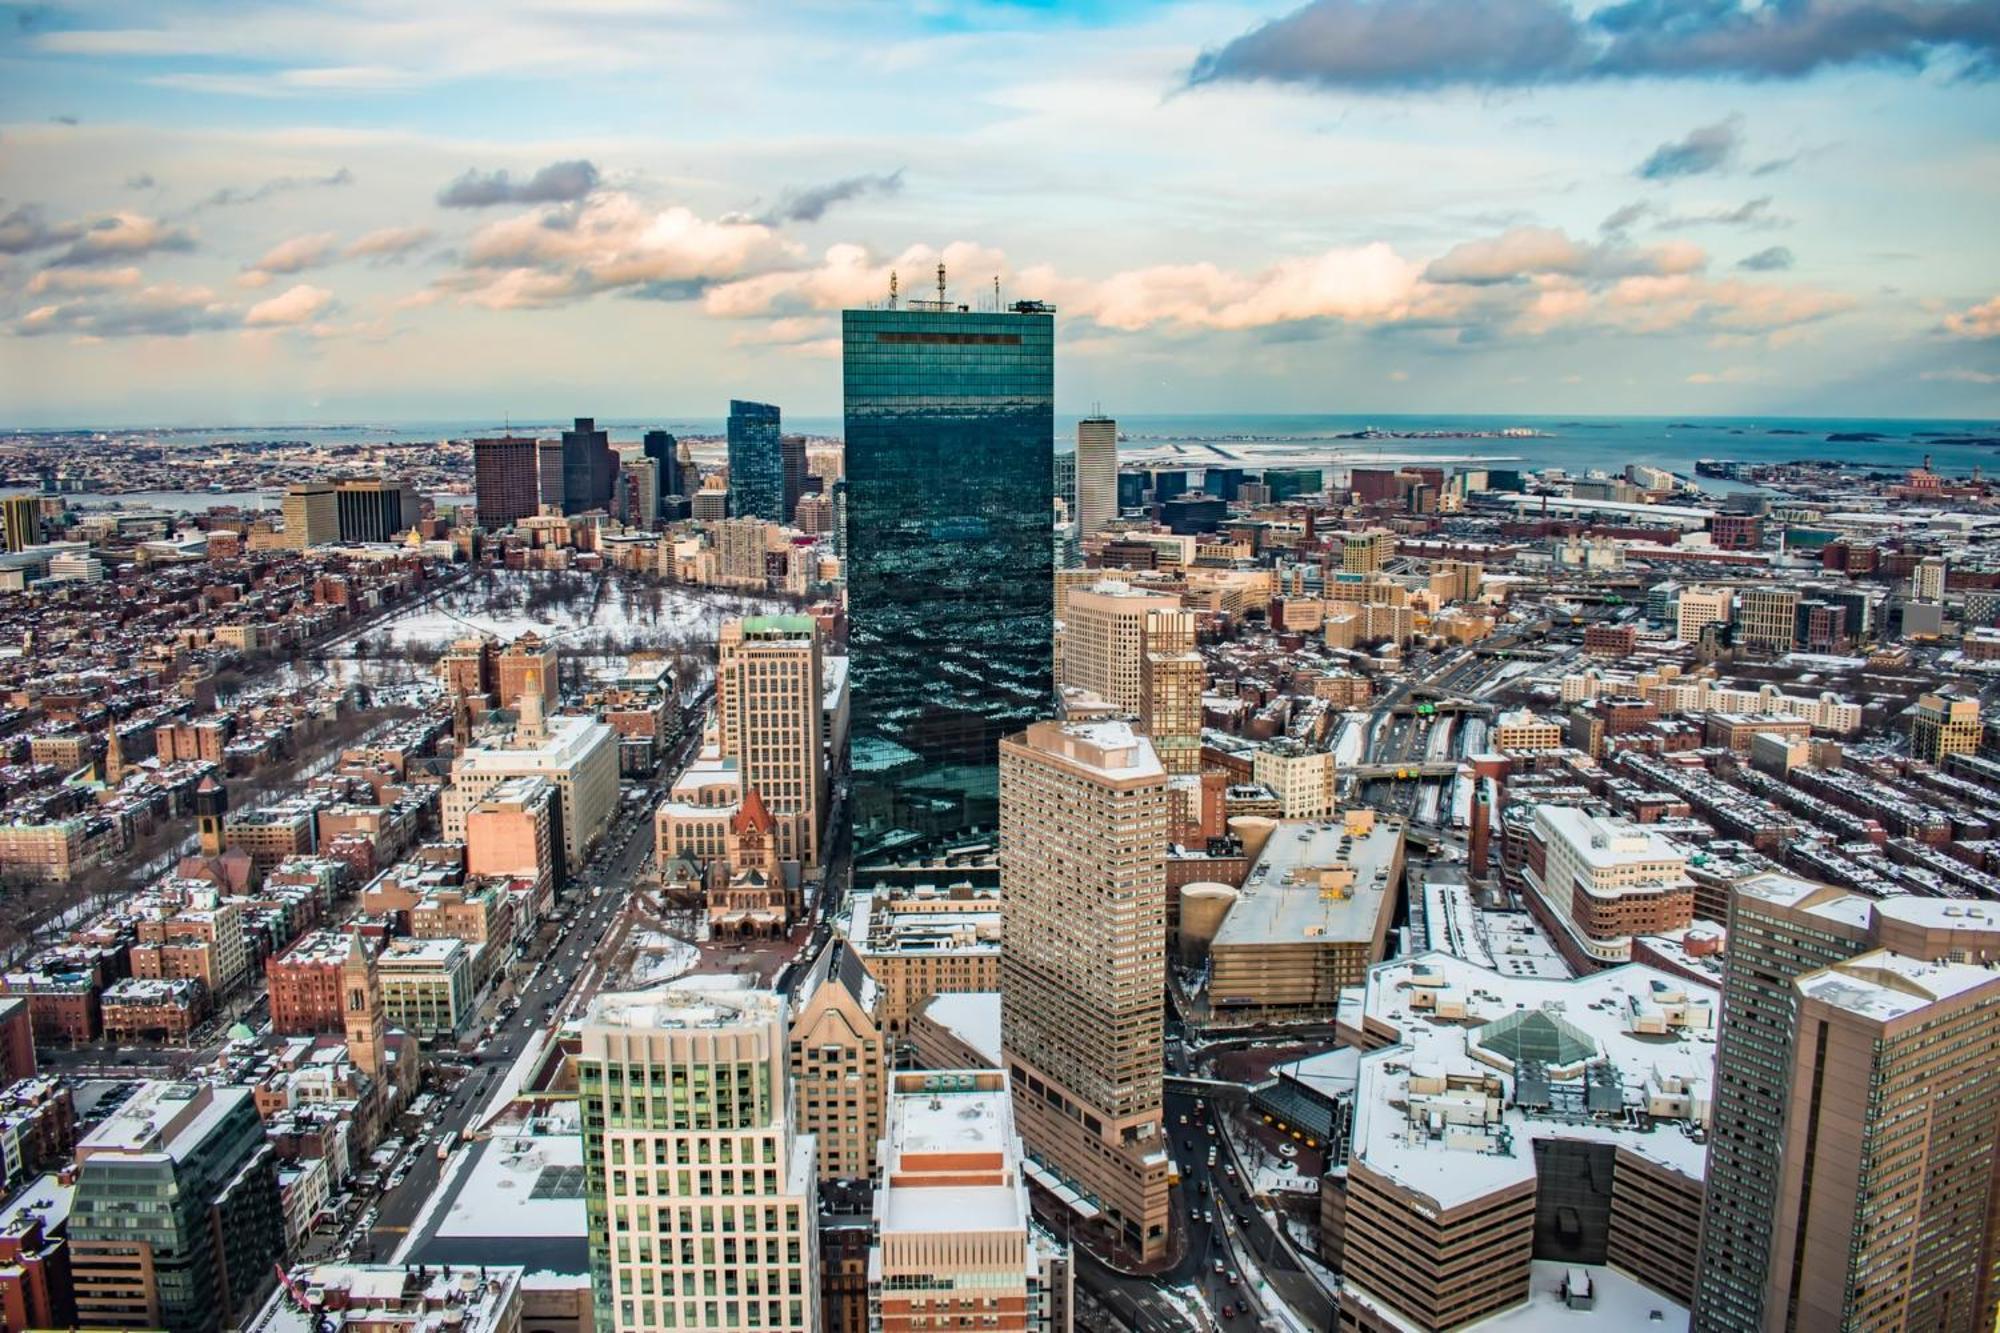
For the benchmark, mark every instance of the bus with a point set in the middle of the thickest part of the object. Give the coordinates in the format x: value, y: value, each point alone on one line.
x: 447, y: 1143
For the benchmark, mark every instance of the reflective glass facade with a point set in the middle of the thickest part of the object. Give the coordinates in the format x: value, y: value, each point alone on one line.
x: 756, y: 462
x: 949, y: 536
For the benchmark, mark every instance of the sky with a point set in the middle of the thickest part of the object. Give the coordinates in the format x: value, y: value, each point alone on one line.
x: 234, y: 212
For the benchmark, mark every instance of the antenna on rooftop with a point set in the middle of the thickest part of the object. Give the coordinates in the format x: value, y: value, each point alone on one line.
x: 996, y: 291
x: 892, y: 289
x: 940, y: 282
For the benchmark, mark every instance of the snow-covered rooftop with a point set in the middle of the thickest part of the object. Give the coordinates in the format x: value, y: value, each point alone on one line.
x: 1490, y: 1062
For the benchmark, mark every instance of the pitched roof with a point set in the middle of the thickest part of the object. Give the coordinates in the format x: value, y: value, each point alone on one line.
x: 752, y: 814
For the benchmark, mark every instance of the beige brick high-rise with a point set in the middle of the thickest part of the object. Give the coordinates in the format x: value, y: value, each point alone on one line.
x: 1083, y: 832
x: 837, y: 1058
x: 1135, y: 649
x: 1171, y: 680
x: 767, y: 699
x: 1888, y: 1149
x: 1104, y: 639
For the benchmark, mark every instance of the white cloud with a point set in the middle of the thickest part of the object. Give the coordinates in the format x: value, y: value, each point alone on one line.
x: 610, y: 242
x: 75, y: 281
x: 299, y: 254
x: 295, y: 305
x: 1981, y: 321
x: 388, y: 242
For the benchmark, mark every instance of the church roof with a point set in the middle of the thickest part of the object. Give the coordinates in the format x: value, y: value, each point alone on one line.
x: 753, y: 813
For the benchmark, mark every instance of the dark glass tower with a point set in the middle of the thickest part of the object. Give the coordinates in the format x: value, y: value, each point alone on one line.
x: 665, y: 452
x: 756, y: 462
x: 589, y: 468
x: 792, y: 451
x: 949, y: 534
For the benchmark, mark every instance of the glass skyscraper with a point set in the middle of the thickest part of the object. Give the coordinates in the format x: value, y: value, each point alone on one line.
x: 665, y: 451
x: 589, y: 468
x: 756, y: 462
x: 949, y: 535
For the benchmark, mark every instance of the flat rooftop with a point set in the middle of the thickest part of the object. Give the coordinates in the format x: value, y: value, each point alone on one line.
x: 171, y: 1119
x: 890, y: 921
x: 971, y: 1016
x: 1884, y: 986
x: 952, y: 1124
x: 570, y: 739
x: 1488, y: 1063
x: 1620, y: 1303
x: 1287, y: 897
x: 1109, y: 749
x: 677, y: 1006
x: 381, y: 1297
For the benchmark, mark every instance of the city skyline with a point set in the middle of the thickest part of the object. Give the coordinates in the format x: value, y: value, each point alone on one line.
x: 314, y: 214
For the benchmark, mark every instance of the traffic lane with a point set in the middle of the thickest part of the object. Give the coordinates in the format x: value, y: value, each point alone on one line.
x: 1209, y: 1260
x: 1237, y: 1221
x: 1288, y: 1280
x: 1138, y: 1303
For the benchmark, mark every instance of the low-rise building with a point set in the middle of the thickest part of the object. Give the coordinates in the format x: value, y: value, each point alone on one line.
x: 920, y: 941
x: 1311, y: 916
x: 956, y: 1244
x: 1595, y: 882
x: 1502, y: 1119
x: 426, y: 985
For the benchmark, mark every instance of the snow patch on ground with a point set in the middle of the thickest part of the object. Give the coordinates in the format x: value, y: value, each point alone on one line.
x: 659, y: 958
x: 1187, y: 1299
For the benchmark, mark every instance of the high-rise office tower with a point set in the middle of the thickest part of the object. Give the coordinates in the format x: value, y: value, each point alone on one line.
x: 1780, y: 929
x: 638, y: 482
x: 1096, y: 475
x: 949, y: 538
x: 756, y: 462
x: 589, y: 468
x: 312, y: 518
x: 1694, y: 608
x: 371, y: 509
x: 506, y: 484
x: 22, y: 518
x: 1940, y: 726
x: 1104, y: 639
x: 1852, y: 1150
x: 1890, y: 1131
x: 792, y: 459
x: 176, y: 1221
x: 955, y: 1243
x: 1083, y: 838
x: 701, y: 1197
x: 838, y: 1059
x: 665, y: 451
x: 1171, y: 680
x: 767, y: 709
x: 549, y: 466
x: 1066, y: 481
x: 1367, y: 551
x: 1927, y: 580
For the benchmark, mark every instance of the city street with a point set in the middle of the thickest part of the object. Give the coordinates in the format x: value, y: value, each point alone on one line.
x: 545, y: 1001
